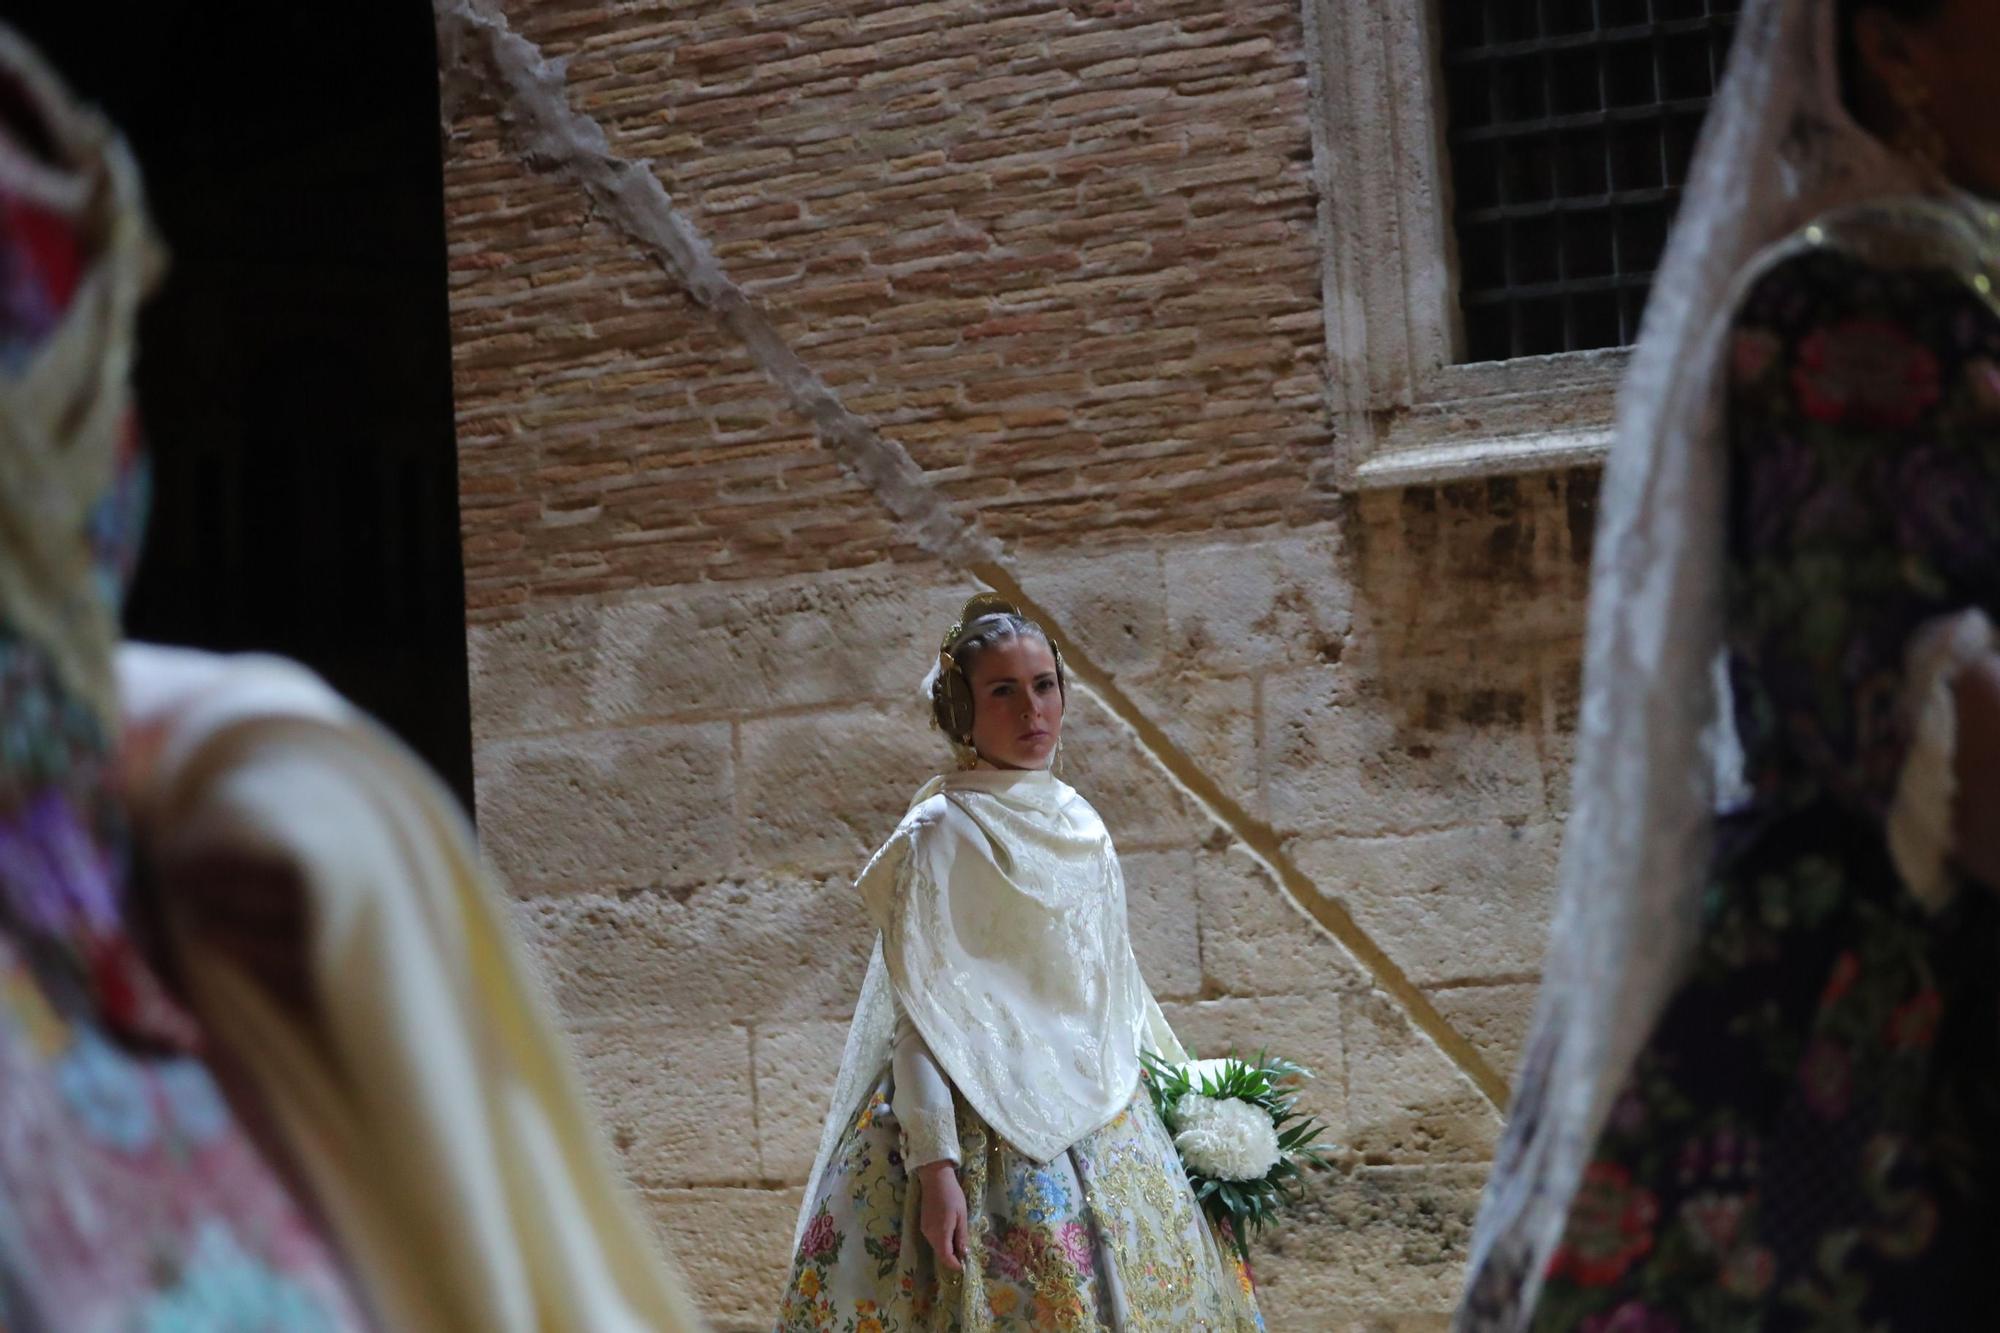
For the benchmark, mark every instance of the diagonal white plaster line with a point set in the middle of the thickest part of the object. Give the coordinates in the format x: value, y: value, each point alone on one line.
x: 533, y: 101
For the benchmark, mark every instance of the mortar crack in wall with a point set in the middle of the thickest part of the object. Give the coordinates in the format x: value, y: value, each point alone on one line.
x: 533, y: 102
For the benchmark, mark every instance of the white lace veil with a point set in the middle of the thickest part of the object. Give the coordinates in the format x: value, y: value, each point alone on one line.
x: 1778, y: 149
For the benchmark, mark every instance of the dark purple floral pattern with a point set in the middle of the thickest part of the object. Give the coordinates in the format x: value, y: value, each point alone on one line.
x: 1811, y: 1138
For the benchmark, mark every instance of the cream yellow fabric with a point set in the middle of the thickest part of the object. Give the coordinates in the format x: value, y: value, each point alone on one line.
x: 1002, y: 911
x: 430, y: 1103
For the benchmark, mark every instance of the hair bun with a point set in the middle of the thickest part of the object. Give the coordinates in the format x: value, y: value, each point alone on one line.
x: 977, y: 608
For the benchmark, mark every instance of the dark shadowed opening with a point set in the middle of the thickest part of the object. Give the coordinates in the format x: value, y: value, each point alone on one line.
x: 295, y: 370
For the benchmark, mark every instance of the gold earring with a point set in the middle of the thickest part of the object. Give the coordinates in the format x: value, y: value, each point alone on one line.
x: 1917, y: 134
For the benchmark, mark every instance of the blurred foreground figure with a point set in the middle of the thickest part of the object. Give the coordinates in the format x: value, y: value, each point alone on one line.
x: 1763, y: 1090
x: 268, y: 1058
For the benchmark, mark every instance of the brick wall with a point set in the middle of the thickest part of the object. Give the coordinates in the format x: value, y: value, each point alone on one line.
x: 1065, y: 254
x: 1066, y: 257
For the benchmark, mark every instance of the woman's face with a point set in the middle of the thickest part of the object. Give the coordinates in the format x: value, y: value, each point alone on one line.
x: 1955, y: 56
x: 1017, y: 703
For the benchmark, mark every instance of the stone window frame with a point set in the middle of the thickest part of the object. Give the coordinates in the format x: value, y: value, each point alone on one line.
x: 1405, y: 411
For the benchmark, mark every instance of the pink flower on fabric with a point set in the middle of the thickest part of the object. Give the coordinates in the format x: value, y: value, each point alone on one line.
x: 1014, y: 1256
x: 1610, y: 1227
x: 1868, y: 371
x: 1075, y: 1238
x: 820, y: 1240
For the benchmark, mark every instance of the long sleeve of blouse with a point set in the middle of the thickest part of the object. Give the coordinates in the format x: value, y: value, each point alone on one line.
x: 923, y: 1100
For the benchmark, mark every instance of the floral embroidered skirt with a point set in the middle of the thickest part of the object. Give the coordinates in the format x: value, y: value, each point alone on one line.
x: 1810, y: 1140
x: 130, y: 1196
x: 1106, y: 1236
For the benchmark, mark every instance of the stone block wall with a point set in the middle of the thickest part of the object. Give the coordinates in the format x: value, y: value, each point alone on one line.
x: 1064, y: 260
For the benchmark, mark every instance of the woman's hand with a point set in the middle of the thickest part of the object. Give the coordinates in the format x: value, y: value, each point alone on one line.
x: 943, y: 1217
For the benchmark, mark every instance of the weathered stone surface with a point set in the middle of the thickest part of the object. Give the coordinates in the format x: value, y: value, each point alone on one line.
x: 1406, y: 1103
x: 1140, y: 804
x: 1495, y: 1018
x: 1380, y: 1249
x: 1256, y: 941
x: 613, y: 809
x: 700, y: 648
x: 796, y: 1064
x: 1438, y: 746
x: 822, y: 790
x: 1463, y: 903
x: 823, y: 640
x: 1112, y: 605
x: 534, y: 673
x: 1495, y: 567
x: 1161, y: 889
x: 1212, y: 723
x: 745, y: 951
x: 663, y: 1092
x: 1562, y: 698
x: 1256, y: 607
x: 734, y: 1247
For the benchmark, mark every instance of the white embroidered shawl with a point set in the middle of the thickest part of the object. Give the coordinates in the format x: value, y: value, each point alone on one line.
x: 1004, y: 938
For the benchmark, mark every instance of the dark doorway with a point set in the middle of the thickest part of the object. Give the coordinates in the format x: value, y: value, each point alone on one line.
x: 295, y: 369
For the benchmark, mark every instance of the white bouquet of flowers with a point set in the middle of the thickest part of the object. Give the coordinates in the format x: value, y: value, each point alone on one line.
x: 1245, y: 1149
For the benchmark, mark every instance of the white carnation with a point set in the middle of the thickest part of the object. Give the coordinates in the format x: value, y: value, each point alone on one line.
x: 1225, y: 1138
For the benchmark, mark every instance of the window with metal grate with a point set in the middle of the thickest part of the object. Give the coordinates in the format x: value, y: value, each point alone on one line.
x: 1570, y: 127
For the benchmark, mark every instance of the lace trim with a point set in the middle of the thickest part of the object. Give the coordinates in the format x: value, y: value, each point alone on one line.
x: 1920, y: 815
x: 930, y: 1134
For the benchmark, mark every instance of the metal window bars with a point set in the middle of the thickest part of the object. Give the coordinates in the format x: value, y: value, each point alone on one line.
x: 1570, y: 127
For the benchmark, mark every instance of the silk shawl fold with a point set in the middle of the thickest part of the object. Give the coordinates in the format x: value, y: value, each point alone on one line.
x: 1003, y: 935
x: 429, y: 1101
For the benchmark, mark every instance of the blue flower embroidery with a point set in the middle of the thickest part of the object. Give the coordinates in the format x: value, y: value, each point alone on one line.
x: 193, y: 1101
x: 222, y: 1289
x: 107, y: 1093
x: 1041, y: 1194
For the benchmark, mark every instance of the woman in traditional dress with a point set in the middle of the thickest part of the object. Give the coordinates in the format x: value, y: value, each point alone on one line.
x: 268, y: 1059
x: 990, y: 1160
x: 1763, y: 1091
